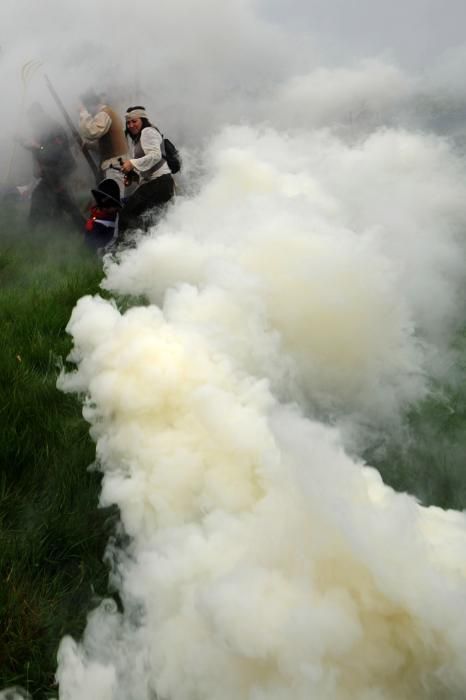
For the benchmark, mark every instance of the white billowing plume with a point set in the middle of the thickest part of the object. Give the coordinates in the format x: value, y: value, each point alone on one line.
x: 262, y: 561
x: 369, y: 92
x: 329, y: 259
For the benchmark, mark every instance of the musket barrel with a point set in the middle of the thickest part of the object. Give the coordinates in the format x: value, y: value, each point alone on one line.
x: 84, y: 149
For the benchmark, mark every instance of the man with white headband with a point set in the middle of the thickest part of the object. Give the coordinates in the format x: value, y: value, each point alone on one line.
x: 148, y: 164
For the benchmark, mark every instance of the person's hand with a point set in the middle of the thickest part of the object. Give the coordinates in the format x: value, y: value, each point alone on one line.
x: 127, y: 166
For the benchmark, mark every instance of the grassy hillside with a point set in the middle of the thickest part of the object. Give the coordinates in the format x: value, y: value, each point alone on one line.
x: 52, y: 536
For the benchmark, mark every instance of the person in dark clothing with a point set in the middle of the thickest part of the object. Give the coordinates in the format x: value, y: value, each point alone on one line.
x: 53, y: 163
x: 149, y: 167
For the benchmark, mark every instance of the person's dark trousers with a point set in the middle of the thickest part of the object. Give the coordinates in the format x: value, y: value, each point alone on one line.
x: 66, y: 203
x: 153, y: 194
x: 99, y: 237
x: 49, y: 201
x: 43, y: 207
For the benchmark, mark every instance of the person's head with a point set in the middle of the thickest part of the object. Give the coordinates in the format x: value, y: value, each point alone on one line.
x: 136, y: 120
x: 91, y: 100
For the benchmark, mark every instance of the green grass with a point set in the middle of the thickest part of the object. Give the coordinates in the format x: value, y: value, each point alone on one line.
x: 429, y: 459
x: 52, y: 536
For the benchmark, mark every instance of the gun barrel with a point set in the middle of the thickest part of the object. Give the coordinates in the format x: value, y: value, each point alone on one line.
x: 84, y: 149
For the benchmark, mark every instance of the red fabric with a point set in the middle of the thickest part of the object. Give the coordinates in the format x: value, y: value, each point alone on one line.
x: 97, y: 213
x: 105, y: 214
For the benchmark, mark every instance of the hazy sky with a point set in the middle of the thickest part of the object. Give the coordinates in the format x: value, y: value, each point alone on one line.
x: 414, y: 31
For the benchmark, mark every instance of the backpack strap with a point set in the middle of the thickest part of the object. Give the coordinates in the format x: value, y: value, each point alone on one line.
x: 162, y: 145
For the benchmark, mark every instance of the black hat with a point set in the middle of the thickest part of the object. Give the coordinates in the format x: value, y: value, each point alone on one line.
x: 107, y: 193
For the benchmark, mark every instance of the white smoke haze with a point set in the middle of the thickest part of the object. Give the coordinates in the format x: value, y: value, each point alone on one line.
x: 351, y: 254
x: 196, y: 68
x: 301, y: 294
x: 372, y: 92
x: 263, y: 560
x: 193, y: 67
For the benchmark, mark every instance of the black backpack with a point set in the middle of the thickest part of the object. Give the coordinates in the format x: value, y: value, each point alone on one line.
x: 171, y: 155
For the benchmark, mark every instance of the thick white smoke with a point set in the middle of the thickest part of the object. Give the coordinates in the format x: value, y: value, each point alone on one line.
x: 263, y: 561
x: 339, y: 264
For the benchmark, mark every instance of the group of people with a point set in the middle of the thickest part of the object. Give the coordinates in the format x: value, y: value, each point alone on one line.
x: 135, y: 179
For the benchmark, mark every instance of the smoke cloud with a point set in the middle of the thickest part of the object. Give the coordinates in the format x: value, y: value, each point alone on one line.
x: 264, y: 561
x: 298, y: 297
x: 195, y: 68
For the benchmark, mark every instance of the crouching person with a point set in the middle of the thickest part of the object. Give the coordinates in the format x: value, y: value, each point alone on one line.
x: 148, y: 166
x: 102, y: 225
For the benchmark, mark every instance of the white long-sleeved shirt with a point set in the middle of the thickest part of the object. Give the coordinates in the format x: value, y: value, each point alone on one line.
x: 93, y: 128
x: 151, y: 144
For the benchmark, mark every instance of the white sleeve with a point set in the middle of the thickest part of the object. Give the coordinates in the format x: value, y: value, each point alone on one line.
x: 151, y: 142
x: 93, y: 128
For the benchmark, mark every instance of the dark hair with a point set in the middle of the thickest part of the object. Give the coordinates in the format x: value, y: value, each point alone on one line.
x: 144, y: 120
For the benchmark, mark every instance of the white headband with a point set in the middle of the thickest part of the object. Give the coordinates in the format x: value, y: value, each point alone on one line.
x: 136, y: 114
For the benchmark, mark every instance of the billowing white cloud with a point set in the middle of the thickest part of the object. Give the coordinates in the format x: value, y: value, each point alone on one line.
x: 263, y: 561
